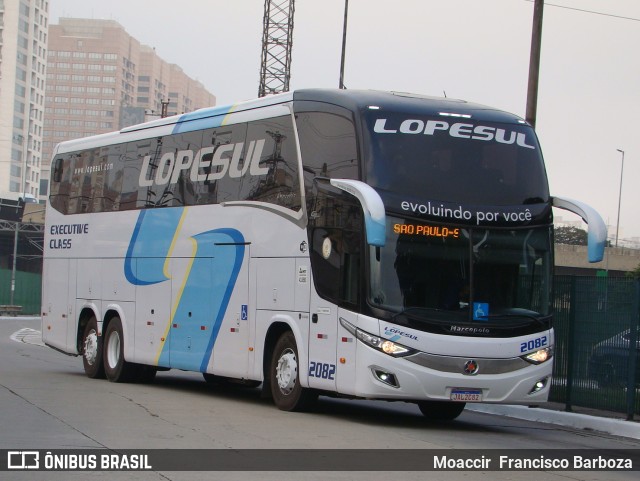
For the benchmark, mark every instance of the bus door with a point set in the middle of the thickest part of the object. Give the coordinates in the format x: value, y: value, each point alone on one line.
x: 231, y: 343
x: 336, y: 237
x: 335, y: 262
x: 153, y: 317
x: 322, y: 344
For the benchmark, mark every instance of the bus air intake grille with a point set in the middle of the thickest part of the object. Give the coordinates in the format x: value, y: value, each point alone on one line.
x: 457, y: 364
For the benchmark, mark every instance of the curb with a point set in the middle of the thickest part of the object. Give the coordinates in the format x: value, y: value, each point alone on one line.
x: 616, y: 427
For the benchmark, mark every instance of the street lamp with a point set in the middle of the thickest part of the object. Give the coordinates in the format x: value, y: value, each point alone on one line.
x: 16, y: 234
x: 619, y: 196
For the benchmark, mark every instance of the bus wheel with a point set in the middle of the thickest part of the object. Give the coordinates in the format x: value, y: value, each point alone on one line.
x: 441, y: 410
x: 115, y: 367
x: 287, y: 393
x: 92, y: 350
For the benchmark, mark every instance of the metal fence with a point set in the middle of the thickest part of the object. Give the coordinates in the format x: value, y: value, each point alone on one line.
x: 596, y: 358
x: 27, y: 290
x: 596, y: 325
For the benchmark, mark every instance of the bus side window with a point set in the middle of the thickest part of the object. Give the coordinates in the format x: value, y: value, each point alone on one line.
x: 225, y: 140
x: 205, y: 189
x: 328, y: 147
x: 336, y: 237
x: 335, y: 257
x: 128, y: 159
x: 273, y: 156
x: 57, y: 169
x: 59, y: 195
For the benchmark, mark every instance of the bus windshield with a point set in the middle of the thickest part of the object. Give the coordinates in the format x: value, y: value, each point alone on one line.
x: 458, y: 159
x: 460, y: 275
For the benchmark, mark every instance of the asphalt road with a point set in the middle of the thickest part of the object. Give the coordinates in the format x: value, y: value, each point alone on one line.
x: 46, y: 402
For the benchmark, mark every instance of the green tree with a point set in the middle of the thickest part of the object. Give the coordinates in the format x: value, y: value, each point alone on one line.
x: 570, y: 235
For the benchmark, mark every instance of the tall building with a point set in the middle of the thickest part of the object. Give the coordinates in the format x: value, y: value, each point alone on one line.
x: 23, y: 47
x: 100, y: 79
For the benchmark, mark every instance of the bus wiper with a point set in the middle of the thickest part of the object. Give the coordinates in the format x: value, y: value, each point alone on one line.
x: 541, y: 320
x: 409, y: 310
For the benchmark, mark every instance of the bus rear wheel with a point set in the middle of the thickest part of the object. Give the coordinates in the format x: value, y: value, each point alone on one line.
x: 441, y: 410
x: 115, y: 367
x: 92, y: 350
x: 288, y: 394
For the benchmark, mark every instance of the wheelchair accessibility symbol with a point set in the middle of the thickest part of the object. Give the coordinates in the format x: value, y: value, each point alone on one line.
x: 480, y: 311
x: 244, y: 312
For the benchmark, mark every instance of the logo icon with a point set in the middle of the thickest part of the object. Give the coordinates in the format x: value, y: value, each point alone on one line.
x: 23, y: 460
x: 471, y: 367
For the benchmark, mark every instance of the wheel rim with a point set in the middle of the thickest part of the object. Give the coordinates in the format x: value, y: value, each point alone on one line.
x: 113, y: 349
x: 91, y: 347
x: 287, y: 371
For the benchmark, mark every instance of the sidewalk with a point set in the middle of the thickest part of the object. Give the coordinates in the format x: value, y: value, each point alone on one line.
x: 553, y: 414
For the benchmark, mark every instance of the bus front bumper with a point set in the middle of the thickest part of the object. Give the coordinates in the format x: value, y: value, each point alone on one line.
x: 438, y: 378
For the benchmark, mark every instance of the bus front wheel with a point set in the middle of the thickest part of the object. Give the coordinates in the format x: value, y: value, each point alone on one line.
x: 288, y: 394
x: 115, y: 367
x: 92, y: 350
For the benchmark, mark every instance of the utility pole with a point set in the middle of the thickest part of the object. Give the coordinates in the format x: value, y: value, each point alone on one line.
x: 344, y: 44
x: 165, y: 108
x: 534, y: 63
x: 16, y: 232
x: 277, y: 41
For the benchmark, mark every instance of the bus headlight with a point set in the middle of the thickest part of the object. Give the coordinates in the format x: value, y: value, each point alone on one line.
x: 384, y: 345
x: 539, y: 356
x: 393, y: 349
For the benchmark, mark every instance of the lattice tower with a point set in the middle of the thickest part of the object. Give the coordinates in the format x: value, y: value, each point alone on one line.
x: 277, y: 40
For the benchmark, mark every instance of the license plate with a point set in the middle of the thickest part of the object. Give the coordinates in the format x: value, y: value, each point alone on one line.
x: 466, y: 395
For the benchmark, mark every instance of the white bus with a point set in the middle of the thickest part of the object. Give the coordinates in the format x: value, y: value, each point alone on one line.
x: 355, y: 243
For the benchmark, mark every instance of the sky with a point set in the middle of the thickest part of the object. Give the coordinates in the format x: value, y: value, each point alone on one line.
x: 476, y: 50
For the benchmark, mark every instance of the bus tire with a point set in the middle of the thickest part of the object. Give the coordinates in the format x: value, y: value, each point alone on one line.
x: 288, y: 394
x: 92, y: 350
x: 441, y: 410
x: 115, y: 367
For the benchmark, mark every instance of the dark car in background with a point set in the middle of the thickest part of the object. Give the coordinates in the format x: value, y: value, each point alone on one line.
x: 609, y: 360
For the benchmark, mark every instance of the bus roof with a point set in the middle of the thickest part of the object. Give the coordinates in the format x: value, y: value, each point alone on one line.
x: 411, y: 103
x: 355, y: 100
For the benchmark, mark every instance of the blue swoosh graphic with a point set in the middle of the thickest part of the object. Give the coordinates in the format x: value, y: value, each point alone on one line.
x: 203, y: 299
x: 151, y: 240
x: 202, y: 119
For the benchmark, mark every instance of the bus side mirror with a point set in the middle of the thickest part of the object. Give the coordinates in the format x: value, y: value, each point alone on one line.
x: 597, y: 236
x: 372, y: 206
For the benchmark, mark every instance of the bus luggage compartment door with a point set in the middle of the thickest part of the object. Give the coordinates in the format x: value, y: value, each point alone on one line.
x: 208, y: 332
x: 58, y: 318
